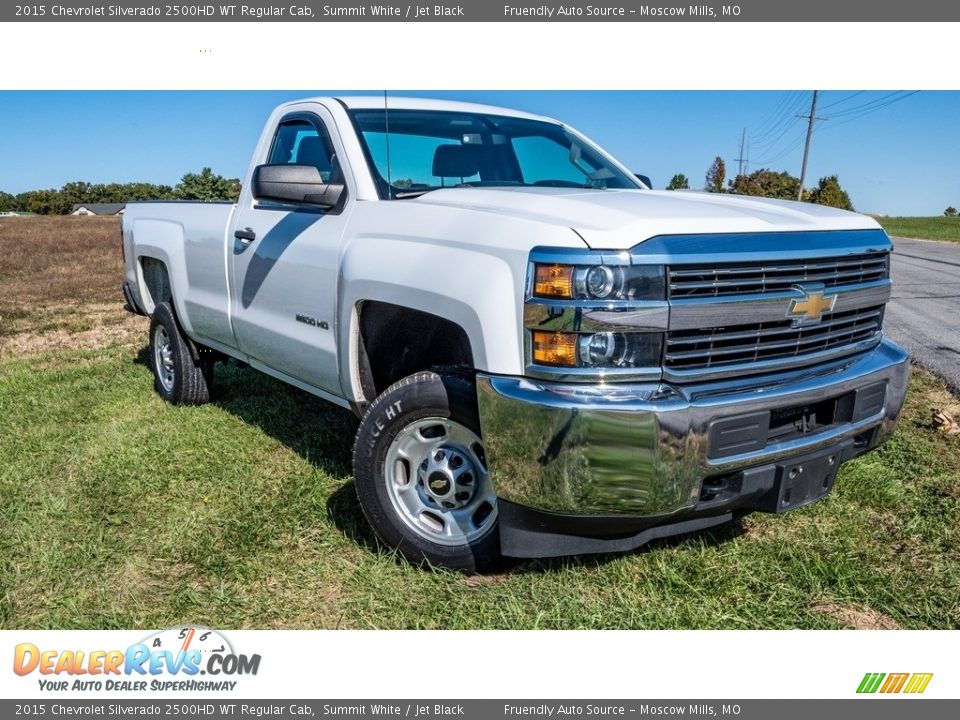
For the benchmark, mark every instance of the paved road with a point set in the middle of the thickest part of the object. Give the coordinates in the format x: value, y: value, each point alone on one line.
x: 924, y: 315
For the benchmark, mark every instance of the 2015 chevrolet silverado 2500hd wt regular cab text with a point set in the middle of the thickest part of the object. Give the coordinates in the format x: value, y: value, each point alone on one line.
x: 548, y: 357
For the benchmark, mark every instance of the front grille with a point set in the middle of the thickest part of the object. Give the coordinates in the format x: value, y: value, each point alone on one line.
x: 719, y: 347
x: 693, y: 281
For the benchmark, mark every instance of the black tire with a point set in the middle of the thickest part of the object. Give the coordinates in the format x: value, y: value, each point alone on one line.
x: 415, y: 398
x: 184, y: 381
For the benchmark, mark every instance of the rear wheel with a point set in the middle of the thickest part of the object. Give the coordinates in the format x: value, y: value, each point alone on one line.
x: 422, y: 477
x: 178, y: 377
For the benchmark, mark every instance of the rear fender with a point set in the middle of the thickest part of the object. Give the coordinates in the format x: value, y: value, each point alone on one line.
x: 163, y: 241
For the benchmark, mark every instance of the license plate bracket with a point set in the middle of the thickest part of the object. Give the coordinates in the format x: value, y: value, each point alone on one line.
x: 806, y: 479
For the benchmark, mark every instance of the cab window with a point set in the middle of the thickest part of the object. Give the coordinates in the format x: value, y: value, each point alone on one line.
x: 299, y: 142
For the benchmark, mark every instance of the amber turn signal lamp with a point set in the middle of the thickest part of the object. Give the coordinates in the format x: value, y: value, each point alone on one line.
x: 554, y: 281
x: 555, y: 348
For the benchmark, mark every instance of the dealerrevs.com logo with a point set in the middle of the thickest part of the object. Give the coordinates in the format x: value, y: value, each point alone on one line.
x: 173, y: 659
x: 889, y: 683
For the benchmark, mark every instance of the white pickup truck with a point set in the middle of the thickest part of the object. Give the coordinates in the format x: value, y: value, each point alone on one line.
x: 548, y: 357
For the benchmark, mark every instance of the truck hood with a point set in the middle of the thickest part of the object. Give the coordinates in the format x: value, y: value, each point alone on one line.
x: 620, y: 219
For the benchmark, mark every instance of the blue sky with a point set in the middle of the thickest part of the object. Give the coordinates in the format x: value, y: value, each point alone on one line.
x: 901, y: 158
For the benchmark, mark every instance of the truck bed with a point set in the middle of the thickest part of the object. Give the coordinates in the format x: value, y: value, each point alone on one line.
x: 189, y: 238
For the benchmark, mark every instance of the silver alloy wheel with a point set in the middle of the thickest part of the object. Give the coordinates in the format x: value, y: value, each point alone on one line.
x: 163, y: 358
x: 438, y: 482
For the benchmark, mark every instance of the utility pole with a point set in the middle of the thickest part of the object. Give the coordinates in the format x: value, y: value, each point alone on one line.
x: 743, y: 142
x: 811, y: 118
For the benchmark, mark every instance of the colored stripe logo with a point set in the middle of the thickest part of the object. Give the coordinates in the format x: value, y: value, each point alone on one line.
x: 913, y: 683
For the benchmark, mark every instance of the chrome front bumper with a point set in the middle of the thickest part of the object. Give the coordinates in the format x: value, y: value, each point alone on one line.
x: 646, y: 449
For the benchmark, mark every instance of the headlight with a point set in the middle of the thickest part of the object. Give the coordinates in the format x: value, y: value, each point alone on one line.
x: 599, y: 282
x: 604, y: 350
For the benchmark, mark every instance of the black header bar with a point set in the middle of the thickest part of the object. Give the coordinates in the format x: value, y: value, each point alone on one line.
x: 853, y: 11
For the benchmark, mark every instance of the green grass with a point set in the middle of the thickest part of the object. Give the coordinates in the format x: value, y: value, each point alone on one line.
x: 120, y: 511
x: 924, y: 228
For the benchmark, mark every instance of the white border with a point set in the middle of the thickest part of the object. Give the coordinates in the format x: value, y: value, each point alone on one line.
x: 629, y: 55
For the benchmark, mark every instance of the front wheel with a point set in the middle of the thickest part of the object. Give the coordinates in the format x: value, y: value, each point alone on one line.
x: 421, y: 474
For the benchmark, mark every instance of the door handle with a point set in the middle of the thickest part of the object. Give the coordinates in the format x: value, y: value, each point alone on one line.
x: 245, y: 236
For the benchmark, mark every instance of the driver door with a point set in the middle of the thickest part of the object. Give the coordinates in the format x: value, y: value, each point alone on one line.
x: 283, y: 265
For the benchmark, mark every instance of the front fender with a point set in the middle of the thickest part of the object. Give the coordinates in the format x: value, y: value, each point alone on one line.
x: 479, y: 292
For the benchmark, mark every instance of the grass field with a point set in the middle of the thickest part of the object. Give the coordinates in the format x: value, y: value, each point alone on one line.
x: 924, y: 228
x: 121, y: 511
x: 59, y: 283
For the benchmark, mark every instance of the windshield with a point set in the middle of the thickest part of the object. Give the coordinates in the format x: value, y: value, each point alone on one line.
x: 428, y: 149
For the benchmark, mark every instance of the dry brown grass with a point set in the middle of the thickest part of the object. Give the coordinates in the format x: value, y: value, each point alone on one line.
x: 858, y: 618
x: 73, y: 327
x: 60, y: 284
x: 59, y: 259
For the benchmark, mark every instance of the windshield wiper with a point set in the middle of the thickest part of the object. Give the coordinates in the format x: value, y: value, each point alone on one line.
x: 404, y: 195
x: 411, y: 194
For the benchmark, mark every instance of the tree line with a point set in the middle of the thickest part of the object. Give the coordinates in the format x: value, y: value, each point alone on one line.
x: 203, y: 186
x: 768, y: 183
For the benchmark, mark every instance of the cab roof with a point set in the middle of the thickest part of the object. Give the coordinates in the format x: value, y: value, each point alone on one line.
x: 376, y: 102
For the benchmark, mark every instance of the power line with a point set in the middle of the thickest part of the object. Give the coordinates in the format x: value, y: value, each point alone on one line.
x: 762, y: 127
x: 785, y: 124
x: 843, y: 100
x: 769, y: 146
x: 773, y: 136
x: 794, y: 144
x: 874, y: 109
x: 891, y: 97
x: 781, y: 126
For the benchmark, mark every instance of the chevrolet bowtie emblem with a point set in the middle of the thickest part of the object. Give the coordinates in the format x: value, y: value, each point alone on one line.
x: 811, y: 307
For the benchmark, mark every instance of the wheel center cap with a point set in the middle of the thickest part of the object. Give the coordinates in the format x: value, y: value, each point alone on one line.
x: 439, y: 484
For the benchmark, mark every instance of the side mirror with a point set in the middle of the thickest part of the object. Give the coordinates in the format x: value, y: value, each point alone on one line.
x: 295, y: 184
x: 644, y: 179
